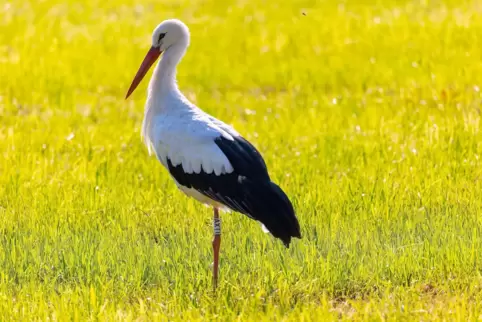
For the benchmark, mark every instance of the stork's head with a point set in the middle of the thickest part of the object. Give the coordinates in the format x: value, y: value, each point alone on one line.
x: 168, y: 34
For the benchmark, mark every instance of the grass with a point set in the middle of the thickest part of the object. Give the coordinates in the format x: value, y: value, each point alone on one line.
x: 368, y: 116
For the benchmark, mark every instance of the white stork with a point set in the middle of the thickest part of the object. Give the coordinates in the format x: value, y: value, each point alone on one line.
x: 207, y: 158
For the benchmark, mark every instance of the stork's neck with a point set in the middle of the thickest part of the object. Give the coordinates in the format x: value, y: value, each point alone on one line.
x: 164, y: 77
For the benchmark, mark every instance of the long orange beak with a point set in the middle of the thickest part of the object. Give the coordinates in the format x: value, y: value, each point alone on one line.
x: 150, y: 58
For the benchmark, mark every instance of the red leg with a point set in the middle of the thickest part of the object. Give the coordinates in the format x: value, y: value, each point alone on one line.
x: 216, y: 245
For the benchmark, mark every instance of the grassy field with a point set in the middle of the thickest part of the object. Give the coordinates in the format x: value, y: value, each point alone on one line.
x: 368, y: 116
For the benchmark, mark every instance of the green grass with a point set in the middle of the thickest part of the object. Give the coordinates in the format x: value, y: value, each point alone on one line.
x: 368, y: 116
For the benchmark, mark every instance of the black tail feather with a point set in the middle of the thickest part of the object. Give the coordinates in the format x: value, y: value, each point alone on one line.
x: 270, y: 205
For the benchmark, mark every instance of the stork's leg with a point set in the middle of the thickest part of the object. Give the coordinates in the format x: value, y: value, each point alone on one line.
x: 216, y: 245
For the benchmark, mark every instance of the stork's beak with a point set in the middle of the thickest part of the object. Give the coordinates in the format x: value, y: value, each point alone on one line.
x: 150, y: 58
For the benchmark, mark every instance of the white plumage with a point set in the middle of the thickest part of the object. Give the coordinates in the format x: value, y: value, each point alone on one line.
x: 187, y: 138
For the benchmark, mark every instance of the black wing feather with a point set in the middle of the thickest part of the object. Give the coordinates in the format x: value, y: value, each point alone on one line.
x: 248, y: 189
x: 244, y: 157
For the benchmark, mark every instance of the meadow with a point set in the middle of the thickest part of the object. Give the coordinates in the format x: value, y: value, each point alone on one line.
x: 367, y: 113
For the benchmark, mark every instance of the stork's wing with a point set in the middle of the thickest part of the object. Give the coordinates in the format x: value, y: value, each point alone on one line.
x: 228, y: 188
x: 207, y: 155
x: 247, y: 189
x: 218, y: 163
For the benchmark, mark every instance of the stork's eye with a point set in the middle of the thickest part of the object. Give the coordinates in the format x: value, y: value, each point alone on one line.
x: 161, y: 36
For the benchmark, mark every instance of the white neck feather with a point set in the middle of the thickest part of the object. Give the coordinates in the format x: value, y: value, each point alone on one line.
x: 164, y: 77
x: 162, y: 85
